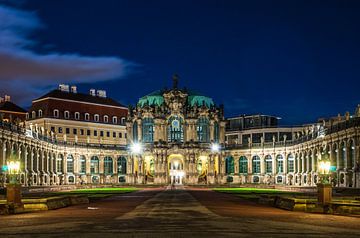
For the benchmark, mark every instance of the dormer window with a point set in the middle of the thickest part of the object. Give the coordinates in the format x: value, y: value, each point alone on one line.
x: 67, y: 114
x: 40, y: 113
x: 56, y: 113
x: 96, y: 117
x: 77, y: 116
x: 87, y: 117
x: 106, y: 119
x: 123, y: 120
x: 33, y: 115
x: 114, y: 120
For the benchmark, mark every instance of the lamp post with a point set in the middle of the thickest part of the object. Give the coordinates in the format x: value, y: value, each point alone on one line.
x: 324, y: 186
x: 136, y: 149
x: 13, y: 188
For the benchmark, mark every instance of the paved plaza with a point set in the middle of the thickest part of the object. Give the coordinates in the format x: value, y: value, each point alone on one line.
x: 180, y: 212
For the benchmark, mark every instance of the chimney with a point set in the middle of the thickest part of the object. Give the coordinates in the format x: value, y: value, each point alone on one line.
x: 101, y: 93
x: 64, y: 87
x: 7, y: 98
x: 73, y: 89
x: 92, y: 92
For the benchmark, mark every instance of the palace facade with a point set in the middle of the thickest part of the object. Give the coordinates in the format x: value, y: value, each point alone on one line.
x: 172, y: 136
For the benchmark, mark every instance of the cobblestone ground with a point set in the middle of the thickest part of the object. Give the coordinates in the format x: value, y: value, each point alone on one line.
x: 176, y: 213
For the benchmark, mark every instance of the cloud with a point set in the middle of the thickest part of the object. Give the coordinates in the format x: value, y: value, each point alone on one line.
x: 26, y: 74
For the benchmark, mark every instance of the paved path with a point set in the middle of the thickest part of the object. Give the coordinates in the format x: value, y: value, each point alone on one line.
x: 176, y: 213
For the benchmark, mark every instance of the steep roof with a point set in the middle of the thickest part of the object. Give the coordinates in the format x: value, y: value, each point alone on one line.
x: 11, y: 107
x: 81, y: 97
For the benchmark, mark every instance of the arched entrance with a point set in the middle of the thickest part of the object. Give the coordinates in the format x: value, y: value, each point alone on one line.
x: 176, y: 169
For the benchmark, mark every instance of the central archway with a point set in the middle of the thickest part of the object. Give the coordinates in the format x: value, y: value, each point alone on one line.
x: 176, y: 169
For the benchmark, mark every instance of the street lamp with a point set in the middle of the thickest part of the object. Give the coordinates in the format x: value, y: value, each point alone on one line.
x: 215, y: 148
x: 13, y: 188
x: 136, y: 148
x: 324, y: 187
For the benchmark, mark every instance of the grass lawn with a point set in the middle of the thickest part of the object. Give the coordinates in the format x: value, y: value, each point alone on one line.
x: 92, y: 193
x: 255, y: 193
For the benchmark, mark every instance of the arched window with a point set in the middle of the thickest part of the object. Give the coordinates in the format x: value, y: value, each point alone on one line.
x: 56, y: 113
x: 114, y: 120
x: 175, y: 129
x: 33, y: 115
x: 96, y: 117
x: 87, y: 117
x: 82, y: 166
x: 243, y: 165
x: 135, y: 131
x: 106, y: 119
x: 66, y: 114
x: 351, y: 160
x: 279, y: 164
x: 108, y: 165
x: 256, y: 164
x: 290, y: 163
x: 268, y: 164
x: 342, y: 155
x: 70, y: 164
x: 77, y: 115
x: 121, y: 165
x: 40, y: 113
x: 94, y: 165
x: 60, y: 164
x: 148, y: 130
x: 229, y: 165
x: 203, y: 129
x: 199, y: 166
x: 216, y: 132
x: 123, y: 121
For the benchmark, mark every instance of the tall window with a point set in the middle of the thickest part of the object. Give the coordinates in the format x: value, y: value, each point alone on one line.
x: 229, y: 165
x: 70, y: 164
x: 148, y: 130
x: 106, y: 119
x: 82, y: 164
x: 135, y: 131
x: 33, y: 114
x: 203, y: 129
x: 352, y: 155
x: 94, y: 165
x: 216, y: 132
x: 268, y: 164
x: 175, y: 129
x: 256, y: 164
x: 121, y: 165
x: 243, y: 165
x: 108, y: 165
x: 87, y: 117
x: 279, y: 164
x: 290, y: 163
x: 40, y: 113
x: 60, y: 163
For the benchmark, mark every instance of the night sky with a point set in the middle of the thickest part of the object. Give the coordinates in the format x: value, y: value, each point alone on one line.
x: 298, y: 60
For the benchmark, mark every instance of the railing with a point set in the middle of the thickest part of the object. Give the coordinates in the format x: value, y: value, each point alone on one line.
x: 351, y: 123
x: 32, y: 134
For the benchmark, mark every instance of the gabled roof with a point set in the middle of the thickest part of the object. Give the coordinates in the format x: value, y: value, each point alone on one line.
x: 80, y: 97
x: 11, y: 107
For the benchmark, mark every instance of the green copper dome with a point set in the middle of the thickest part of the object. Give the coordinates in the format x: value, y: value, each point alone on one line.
x: 157, y: 99
x: 153, y: 99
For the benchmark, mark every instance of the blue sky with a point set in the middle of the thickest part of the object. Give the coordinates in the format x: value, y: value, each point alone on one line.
x: 295, y: 59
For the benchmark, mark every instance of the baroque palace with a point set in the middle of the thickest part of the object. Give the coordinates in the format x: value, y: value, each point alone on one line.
x: 174, y: 136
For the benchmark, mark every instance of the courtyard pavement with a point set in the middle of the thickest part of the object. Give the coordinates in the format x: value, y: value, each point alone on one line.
x: 181, y: 212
